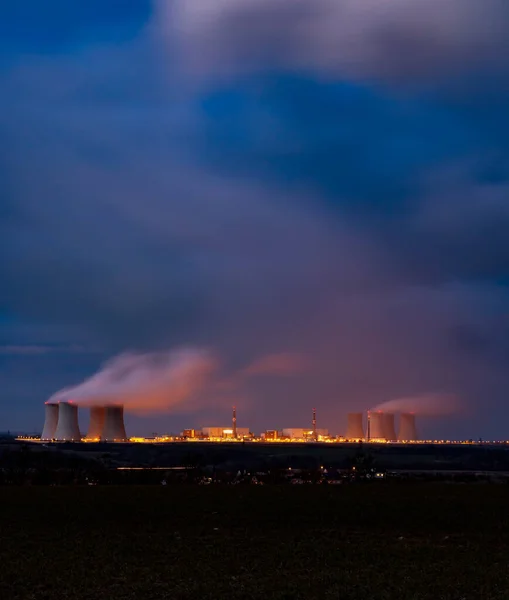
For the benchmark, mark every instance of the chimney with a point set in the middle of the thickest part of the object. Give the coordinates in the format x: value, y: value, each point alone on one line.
x: 354, y: 428
x: 315, y: 436
x: 96, y: 427
x: 114, y: 429
x: 407, y: 429
x: 68, y: 429
x: 234, y: 423
x: 50, y: 421
x: 389, y: 430
x: 376, y: 431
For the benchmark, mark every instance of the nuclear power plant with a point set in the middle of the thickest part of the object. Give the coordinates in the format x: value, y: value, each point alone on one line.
x: 376, y: 425
x: 107, y: 425
x: 61, y: 423
x: 354, y: 428
x: 114, y: 429
x: 407, y: 428
x: 50, y: 422
x: 96, y: 425
x: 68, y: 429
x: 389, y: 429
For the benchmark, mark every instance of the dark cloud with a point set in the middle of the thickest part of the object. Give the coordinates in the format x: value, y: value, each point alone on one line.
x: 264, y: 214
x: 408, y: 42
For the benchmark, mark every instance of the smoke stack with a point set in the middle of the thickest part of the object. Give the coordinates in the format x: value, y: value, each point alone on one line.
x: 114, y: 429
x: 234, y: 423
x: 376, y: 428
x: 407, y: 429
x: 389, y: 430
x: 68, y: 429
x: 50, y: 421
x: 96, y: 427
x: 315, y: 436
x: 354, y: 428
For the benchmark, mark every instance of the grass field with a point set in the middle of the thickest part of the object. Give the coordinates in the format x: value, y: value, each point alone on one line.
x: 401, y: 542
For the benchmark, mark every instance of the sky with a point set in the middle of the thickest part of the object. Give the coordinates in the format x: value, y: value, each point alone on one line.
x: 325, y: 179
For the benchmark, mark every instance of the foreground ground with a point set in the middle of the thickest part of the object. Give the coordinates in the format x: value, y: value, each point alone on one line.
x: 401, y: 542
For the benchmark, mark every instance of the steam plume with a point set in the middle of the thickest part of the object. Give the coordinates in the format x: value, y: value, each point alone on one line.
x: 426, y: 405
x: 159, y: 382
x: 145, y: 382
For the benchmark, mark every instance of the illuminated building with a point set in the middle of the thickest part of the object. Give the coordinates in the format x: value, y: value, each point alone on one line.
x: 67, y: 429
x: 114, y: 429
x: 407, y: 429
x: 50, y: 421
x: 389, y: 430
x: 354, y: 428
x: 96, y: 426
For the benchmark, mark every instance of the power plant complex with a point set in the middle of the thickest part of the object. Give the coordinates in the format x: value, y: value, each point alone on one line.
x: 107, y: 425
x: 62, y: 425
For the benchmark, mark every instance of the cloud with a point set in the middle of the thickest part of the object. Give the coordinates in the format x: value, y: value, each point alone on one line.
x: 35, y: 350
x: 277, y: 364
x: 395, y: 41
x: 279, y: 207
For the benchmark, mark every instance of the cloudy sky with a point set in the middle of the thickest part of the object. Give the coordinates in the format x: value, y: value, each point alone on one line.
x: 328, y: 178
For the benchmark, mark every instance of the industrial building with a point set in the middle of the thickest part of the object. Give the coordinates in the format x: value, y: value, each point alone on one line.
x: 107, y: 424
x: 375, y: 425
x: 299, y: 433
x: 68, y: 429
x: 388, y: 427
x: 61, y: 423
x: 225, y: 432
x: 50, y: 421
x: 407, y: 429
x: 354, y: 428
x: 96, y: 425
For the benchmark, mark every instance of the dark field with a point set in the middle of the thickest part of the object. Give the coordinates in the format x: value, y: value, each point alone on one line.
x: 402, y: 542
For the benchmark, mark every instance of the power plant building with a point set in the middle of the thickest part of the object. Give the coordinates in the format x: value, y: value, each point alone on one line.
x: 96, y: 426
x: 114, y: 428
x: 68, y: 429
x: 225, y: 432
x: 376, y: 425
x: 389, y: 429
x: 50, y: 421
x: 407, y: 428
x: 354, y: 428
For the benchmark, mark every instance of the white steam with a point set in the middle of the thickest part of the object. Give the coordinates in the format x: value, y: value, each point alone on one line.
x: 432, y: 405
x: 162, y: 381
x: 145, y: 382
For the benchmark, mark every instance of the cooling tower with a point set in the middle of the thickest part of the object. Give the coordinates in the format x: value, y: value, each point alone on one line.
x: 50, y: 422
x: 96, y: 427
x: 354, y: 428
x: 68, y: 429
x: 114, y: 429
x: 376, y: 426
x: 389, y: 430
x: 407, y: 430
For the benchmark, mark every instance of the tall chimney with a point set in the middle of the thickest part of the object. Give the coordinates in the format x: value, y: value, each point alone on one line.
x: 315, y: 436
x: 234, y: 423
x: 407, y: 429
x: 114, y: 428
x: 376, y: 430
x: 96, y: 427
x: 354, y: 428
x: 389, y: 430
x: 50, y: 421
x: 68, y: 429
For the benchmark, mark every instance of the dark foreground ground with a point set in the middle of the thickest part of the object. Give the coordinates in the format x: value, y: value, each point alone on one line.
x: 386, y: 541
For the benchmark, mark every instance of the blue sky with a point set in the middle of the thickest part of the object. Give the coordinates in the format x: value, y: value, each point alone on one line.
x: 259, y: 177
